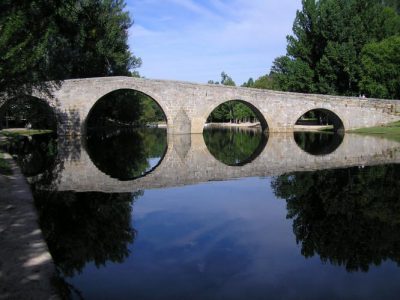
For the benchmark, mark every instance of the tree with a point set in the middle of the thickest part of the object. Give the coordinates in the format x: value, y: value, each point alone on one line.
x: 264, y: 82
x: 380, y: 65
x: 227, y: 80
x: 27, y: 31
x: 55, y: 40
x: 249, y: 83
x: 324, y: 52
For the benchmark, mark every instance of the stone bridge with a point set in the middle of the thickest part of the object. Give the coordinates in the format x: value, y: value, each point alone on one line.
x: 187, y: 105
x: 188, y: 161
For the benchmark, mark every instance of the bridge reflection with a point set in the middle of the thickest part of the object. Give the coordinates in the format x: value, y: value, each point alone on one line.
x: 188, y: 161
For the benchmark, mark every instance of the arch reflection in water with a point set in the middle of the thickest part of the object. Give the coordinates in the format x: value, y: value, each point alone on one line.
x: 318, y: 143
x: 235, y: 146
x: 348, y: 217
x: 126, y: 154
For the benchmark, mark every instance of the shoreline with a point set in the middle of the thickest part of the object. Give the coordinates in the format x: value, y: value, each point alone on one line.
x: 27, y: 270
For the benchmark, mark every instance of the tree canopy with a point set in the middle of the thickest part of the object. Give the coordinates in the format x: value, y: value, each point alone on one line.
x: 54, y: 40
x: 330, y: 40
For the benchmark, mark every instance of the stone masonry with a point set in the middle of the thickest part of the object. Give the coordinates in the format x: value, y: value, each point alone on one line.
x: 187, y: 105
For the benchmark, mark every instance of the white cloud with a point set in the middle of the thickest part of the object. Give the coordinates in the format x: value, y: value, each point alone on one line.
x: 239, y: 37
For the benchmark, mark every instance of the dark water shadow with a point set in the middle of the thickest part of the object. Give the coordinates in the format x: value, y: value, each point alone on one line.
x: 127, y: 154
x: 318, y: 143
x: 235, y: 146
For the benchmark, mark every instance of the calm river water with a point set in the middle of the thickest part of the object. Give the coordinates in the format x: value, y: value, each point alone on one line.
x: 230, y: 214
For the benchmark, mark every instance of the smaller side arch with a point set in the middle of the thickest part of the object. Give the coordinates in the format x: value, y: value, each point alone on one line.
x: 333, y: 117
x: 53, y: 112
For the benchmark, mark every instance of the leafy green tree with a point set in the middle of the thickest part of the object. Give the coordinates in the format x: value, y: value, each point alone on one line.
x: 227, y: 80
x: 27, y: 34
x: 249, y: 83
x: 381, y: 72
x: 93, y: 39
x: 264, y: 82
x: 324, y: 52
x: 55, y: 40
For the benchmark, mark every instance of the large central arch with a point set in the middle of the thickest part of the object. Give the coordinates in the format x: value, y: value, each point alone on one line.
x: 103, y: 97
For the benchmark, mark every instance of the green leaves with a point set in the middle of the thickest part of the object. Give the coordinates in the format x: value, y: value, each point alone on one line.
x: 381, y: 72
x: 55, y: 40
x: 324, y: 52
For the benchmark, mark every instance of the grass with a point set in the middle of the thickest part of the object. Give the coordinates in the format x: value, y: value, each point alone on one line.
x: 5, y: 168
x: 389, y: 131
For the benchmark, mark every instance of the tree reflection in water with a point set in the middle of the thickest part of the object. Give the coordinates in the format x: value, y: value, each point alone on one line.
x: 86, y: 227
x: 348, y: 217
x: 126, y: 154
x: 35, y: 155
x: 235, y: 146
x: 318, y: 143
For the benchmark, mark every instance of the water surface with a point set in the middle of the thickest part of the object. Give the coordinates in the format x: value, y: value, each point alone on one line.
x: 291, y: 221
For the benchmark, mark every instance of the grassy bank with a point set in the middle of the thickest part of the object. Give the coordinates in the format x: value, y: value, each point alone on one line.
x: 390, y: 131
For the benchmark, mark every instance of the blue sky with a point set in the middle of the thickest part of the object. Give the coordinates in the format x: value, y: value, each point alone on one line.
x: 196, y: 40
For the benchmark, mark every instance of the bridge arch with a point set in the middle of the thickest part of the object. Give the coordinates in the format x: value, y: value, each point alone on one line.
x: 103, y: 95
x: 46, y: 104
x: 260, y: 116
x: 337, y: 121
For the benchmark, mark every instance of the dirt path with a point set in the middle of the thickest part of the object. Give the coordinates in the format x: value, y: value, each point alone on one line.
x: 26, y: 267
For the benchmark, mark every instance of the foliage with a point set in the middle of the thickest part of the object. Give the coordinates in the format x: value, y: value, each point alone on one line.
x: 347, y: 217
x: 227, y: 80
x: 381, y: 72
x: 264, y: 82
x: 234, y: 146
x: 55, y: 40
x: 324, y: 52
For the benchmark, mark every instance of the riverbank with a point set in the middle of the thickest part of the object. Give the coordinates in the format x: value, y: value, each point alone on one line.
x: 390, y: 131
x: 26, y: 267
x: 313, y: 127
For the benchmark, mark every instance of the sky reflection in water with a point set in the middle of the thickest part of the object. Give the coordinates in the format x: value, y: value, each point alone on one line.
x: 224, y: 240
